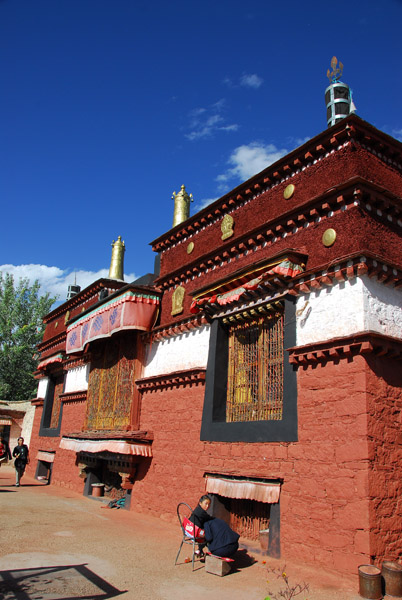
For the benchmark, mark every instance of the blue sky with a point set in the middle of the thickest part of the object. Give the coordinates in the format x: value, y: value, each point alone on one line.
x: 107, y: 107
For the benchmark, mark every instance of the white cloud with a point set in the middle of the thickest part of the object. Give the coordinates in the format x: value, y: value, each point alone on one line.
x: 296, y: 142
x: 397, y: 133
x: 227, y: 81
x: 247, y: 80
x: 247, y: 160
x: 205, y: 202
x: 251, y: 80
x: 206, y: 122
x: 55, y: 280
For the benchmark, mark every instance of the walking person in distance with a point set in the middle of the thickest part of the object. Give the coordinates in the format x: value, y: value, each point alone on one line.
x: 21, y: 455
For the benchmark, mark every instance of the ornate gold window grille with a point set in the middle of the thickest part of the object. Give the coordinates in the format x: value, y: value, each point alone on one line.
x: 255, y: 370
x: 111, y: 387
x: 58, y: 389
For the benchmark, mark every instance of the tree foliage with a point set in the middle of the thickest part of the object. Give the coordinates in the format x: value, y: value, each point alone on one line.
x: 21, y: 328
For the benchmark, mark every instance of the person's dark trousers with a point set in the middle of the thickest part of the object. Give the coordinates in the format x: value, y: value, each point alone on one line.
x: 227, y: 550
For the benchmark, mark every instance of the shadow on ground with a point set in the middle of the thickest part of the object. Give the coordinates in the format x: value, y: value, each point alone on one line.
x: 67, y: 582
x: 242, y: 560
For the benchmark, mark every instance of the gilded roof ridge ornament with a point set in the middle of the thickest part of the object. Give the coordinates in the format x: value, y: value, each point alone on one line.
x: 116, y: 270
x: 336, y: 72
x: 181, y: 206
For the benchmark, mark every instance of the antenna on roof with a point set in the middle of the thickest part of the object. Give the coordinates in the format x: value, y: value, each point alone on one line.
x: 338, y: 96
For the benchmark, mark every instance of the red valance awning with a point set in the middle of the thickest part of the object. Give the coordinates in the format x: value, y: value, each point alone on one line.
x: 285, y: 268
x: 131, y: 310
x: 48, y: 361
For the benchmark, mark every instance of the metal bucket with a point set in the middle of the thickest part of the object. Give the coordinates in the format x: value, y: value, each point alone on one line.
x: 392, y: 574
x: 97, y: 490
x: 370, y: 582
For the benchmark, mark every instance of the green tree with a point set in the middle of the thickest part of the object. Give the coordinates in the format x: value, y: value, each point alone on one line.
x: 21, y: 328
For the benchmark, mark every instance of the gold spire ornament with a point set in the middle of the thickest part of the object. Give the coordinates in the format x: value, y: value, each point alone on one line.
x: 116, y: 270
x: 181, y: 206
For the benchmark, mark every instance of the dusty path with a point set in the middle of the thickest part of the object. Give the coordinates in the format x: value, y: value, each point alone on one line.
x: 56, y: 544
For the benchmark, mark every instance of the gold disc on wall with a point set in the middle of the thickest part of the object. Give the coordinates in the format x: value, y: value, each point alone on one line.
x: 329, y: 237
x: 289, y: 191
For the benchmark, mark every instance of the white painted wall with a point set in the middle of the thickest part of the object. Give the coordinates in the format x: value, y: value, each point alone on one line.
x: 77, y: 379
x: 383, y: 308
x: 355, y: 306
x: 42, y: 387
x: 185, y: 351
x: 27, y: 424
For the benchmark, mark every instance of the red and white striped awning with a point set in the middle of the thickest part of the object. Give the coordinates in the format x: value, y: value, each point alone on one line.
x: 6, y: 422
x: 262, y: 491
x: 45, y: 456
x: 48, y: 361
x: 231, y: 291
x: 116, y: 446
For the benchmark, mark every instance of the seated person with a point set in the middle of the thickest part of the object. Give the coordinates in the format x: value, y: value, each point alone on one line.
x: 199, y: 516
x: 221, y: 539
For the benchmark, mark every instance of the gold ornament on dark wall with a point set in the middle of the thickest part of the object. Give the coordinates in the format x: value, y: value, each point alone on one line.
x: 177, y: 300
x: 289, y: 191
x: 67, y: 316
x: 329, y: 237
x: 227, y: 227
x: 190, y: 247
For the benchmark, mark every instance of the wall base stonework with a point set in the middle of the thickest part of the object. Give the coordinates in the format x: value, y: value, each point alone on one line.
x: 384, y: 395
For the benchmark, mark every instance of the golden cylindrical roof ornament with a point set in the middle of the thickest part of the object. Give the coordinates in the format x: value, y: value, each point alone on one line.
x: 116, y: 270
x: 181, y: 206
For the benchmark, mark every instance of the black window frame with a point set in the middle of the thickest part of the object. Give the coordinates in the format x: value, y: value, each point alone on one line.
x: 45, y: 430
x: 214, y: 427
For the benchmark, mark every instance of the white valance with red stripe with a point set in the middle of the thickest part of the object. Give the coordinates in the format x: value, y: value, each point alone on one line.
x: 115, y: 446
x: 45, y: 456
x: 243, y: 489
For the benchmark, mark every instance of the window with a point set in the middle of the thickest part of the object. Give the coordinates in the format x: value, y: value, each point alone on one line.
x: 112, y: 396
x: 52, y: 407
x: 255, y: 370
x: 250, y: 387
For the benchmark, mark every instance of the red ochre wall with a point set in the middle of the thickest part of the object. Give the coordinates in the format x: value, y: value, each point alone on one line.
x: 325, y: 507
x: 384, y: 377
x: 65, y: 471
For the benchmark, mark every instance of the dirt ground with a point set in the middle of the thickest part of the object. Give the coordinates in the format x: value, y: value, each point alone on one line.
x: 56, y: 544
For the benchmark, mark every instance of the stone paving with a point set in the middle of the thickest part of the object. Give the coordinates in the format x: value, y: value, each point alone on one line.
x: 58, y: 545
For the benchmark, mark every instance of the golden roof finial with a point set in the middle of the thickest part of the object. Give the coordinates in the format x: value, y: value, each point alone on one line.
x: 181, y: 206
x: 336, y: 72
x: 116, y: 270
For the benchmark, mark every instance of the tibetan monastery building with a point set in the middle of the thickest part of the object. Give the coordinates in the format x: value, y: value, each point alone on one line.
x: 260, y: 363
